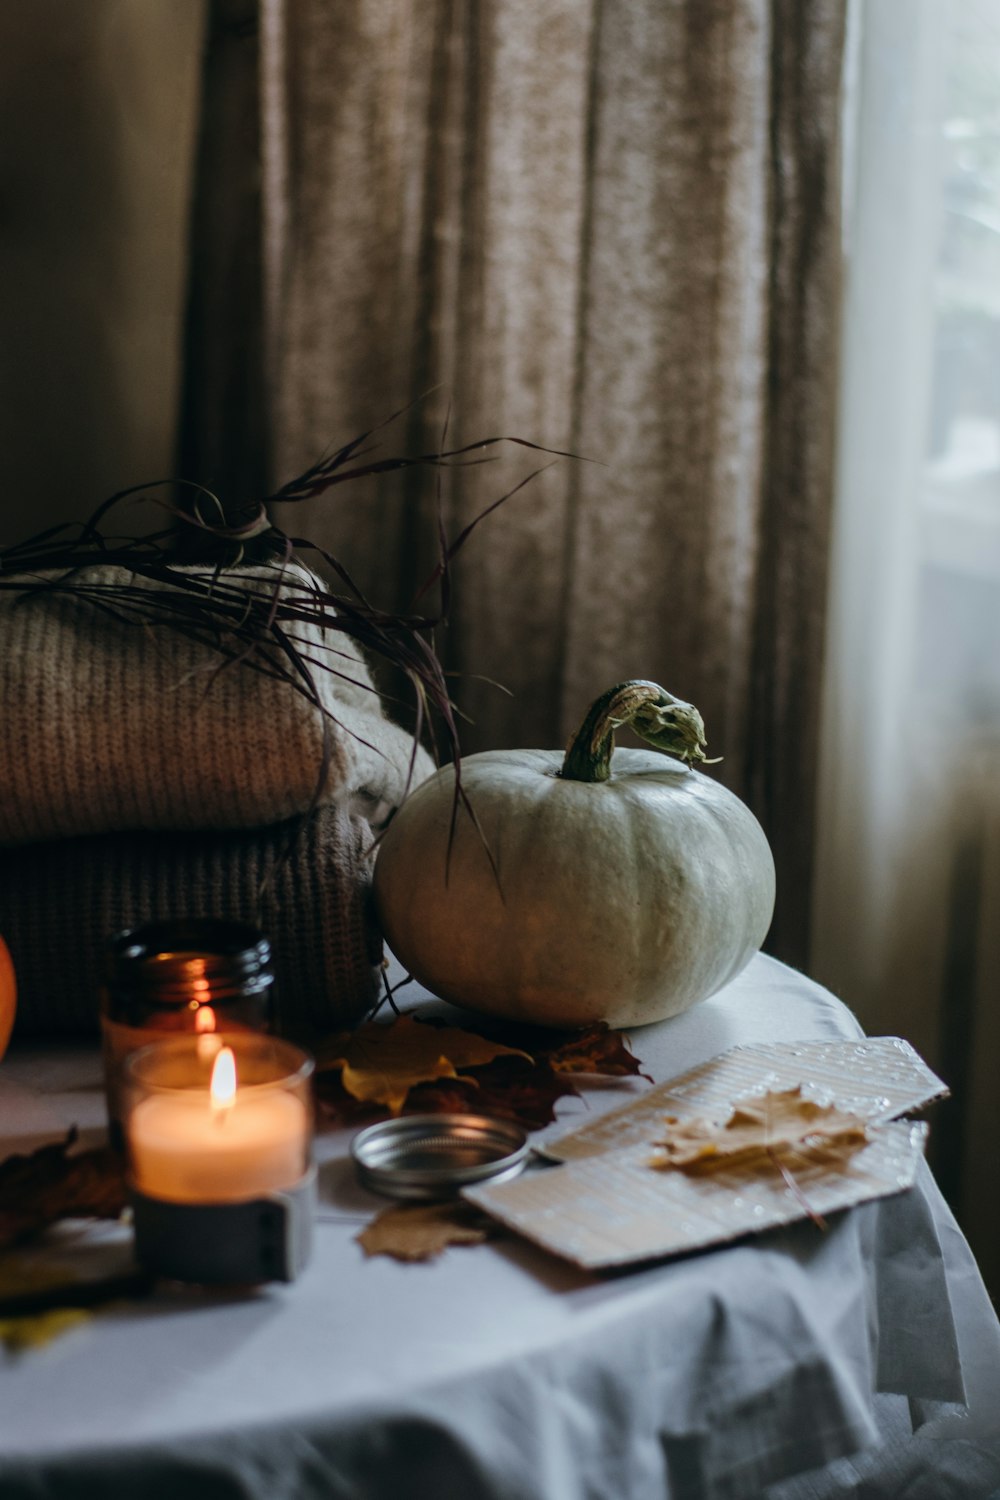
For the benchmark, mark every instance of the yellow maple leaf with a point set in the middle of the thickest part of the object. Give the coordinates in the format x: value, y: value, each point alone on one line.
x: 759, y: 1126
x: 381, y: 1063
x: 18, y: 1277
x: 18, y: 1334
x: 422, y: 1231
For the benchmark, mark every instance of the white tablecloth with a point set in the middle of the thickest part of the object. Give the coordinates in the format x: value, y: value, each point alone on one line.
x: 798, y: 1360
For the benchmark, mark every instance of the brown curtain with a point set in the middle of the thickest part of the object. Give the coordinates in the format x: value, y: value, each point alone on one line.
x: 609, y: 227
x: 98, y: 104
x: 222, y: 440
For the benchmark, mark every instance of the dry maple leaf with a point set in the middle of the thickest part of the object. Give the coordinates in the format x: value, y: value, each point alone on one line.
x: 512, y: 1088
x: 759, y: 1127
x: 595, y: 1049
x: 588, y: 1049
x: 421, y: 1231
x: 380, y: 1063
x: 50, y: 1184
x: 509, y: 1087
x: 526, y: 1076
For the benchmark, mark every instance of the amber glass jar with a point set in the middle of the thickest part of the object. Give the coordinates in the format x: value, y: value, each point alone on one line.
x: 190, y: 975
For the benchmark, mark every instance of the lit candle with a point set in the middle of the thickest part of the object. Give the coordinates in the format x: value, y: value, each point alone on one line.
x: 178, y: 976
x: 224, y: 1144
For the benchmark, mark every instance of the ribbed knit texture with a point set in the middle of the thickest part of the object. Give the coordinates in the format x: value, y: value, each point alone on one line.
x: 60, y: 901
x: 107, y: 725
x: 139, y: 782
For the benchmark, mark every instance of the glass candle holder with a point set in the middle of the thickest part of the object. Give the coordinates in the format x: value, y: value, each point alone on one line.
x: 197, y: 975
x: 218, y: 1138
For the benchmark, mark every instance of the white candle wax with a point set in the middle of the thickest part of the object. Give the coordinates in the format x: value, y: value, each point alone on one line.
x: 184, y: 1150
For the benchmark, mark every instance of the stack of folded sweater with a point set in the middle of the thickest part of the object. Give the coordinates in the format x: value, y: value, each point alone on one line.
x: 140, y: 782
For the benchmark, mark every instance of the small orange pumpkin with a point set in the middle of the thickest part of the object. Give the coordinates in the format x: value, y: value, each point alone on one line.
x: 8, y: 996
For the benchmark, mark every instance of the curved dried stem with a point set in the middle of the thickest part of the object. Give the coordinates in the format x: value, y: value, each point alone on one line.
x: 654, y: 714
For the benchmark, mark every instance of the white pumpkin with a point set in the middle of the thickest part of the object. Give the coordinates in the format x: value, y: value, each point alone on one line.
x: 624, y: 897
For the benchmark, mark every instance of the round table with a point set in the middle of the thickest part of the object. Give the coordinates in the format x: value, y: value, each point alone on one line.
x: 794, y: 1364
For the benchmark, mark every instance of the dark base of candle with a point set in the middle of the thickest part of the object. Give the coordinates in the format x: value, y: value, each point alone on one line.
x: 227, y: 1244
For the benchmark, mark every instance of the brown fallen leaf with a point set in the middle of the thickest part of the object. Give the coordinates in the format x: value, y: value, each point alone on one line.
x: 523, y: 1091
x: 421, y: 1231
x: 509, y: 1088
x: 336, y: 1104
x: 428, y: 1066
x: 50, y: 1184
x: 759, y: 1128
x: 595, y: 1049
x: 381, y: 1063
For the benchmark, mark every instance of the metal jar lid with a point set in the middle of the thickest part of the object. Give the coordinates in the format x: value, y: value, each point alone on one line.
x: 434, y: 1156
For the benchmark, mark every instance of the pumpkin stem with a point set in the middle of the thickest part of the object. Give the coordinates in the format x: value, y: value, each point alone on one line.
x: 654, y: 714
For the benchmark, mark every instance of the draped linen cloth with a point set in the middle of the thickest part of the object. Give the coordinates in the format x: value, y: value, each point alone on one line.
x: 610, y: 228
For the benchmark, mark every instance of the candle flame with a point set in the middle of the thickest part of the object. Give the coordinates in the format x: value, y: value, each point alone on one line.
x: 223, y: 1085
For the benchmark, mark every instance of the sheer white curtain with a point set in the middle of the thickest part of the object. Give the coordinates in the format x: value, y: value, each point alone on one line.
x: 907, y: 898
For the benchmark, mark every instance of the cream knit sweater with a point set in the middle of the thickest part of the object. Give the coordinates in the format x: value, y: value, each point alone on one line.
x: 108, y: 725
